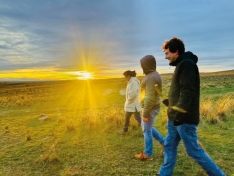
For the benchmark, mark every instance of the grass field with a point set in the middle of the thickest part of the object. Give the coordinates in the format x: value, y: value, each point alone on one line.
x: 68, y: 128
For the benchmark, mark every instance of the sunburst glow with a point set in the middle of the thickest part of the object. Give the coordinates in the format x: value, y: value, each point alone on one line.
x: 87, y: 75
x: 82, y: 75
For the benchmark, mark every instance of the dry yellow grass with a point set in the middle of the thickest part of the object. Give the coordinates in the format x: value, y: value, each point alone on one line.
x: 216, y: 109
x: 84, y: 121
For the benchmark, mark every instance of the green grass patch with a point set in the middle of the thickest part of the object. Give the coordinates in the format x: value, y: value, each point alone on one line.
x: 70, y: 128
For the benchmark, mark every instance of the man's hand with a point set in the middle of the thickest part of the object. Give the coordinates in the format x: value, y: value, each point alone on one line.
x: 179, y: 118
x: 146, y: 120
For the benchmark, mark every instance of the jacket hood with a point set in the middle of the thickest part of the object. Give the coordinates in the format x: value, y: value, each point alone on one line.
x: 148, y: 64
x: 186, y: 55
x: 135, y: 79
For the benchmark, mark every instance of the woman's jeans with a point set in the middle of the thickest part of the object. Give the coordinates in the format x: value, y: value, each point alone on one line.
x: 137, y: 116
x: 149, y: 132
x: 188, y: 134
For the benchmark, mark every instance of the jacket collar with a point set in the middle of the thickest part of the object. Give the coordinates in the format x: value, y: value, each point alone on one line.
x: 174, y: 63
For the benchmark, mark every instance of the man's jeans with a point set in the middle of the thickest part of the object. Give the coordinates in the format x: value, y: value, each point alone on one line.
x: 149, y: 132
x: 188, y: 134
x: 137, y: 116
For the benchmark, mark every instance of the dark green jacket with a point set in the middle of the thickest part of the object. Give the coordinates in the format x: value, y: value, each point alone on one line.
x: 185, y: 88
x: 152, y: 77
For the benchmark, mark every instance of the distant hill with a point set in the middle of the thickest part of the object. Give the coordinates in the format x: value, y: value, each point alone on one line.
x: 14, y: 83
x: 219, y: 73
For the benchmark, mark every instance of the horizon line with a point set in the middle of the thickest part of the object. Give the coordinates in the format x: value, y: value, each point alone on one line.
x: 54, y: 80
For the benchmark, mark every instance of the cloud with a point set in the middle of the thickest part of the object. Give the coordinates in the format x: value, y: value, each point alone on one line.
x: 111, y: 36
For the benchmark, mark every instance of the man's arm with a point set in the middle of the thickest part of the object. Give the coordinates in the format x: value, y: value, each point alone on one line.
x: 149, y: 99
x: 187, y: 82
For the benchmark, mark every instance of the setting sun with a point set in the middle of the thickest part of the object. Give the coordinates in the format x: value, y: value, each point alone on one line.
x: 82, y: 75
x: 87, y: 75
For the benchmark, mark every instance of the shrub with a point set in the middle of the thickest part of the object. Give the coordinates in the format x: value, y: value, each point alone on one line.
x: 216, y: 109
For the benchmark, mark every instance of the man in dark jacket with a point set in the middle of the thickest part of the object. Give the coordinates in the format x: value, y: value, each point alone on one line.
x: 183, y: 110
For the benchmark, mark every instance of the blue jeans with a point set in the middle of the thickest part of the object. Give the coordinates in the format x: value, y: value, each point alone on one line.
x: 149, y: 132
x: 188, y: 134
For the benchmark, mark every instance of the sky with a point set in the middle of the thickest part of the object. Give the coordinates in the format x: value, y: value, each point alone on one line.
x: 68, y: 39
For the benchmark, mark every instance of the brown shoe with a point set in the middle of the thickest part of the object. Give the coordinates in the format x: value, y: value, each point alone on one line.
x: 143, y: 156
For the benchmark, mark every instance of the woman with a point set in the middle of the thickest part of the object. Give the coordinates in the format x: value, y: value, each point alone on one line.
x: 132, y: 103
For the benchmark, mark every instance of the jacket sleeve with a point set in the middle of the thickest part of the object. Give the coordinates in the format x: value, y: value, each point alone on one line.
x: 149, y: 98
x: 187, y: 83
x: 133, y: 90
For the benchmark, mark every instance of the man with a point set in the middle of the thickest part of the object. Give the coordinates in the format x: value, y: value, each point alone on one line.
x: 183, y: 110
x: 151, y: 106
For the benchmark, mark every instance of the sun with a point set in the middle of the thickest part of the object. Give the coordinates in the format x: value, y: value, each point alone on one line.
x: 82, y: 75
x: 86, y: 75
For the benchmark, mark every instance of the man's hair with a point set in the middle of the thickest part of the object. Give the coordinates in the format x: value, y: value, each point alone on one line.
x: 173, y: 45
x: 130, y: 73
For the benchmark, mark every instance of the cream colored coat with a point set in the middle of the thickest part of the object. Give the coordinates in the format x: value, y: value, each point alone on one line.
x: 132, y: 96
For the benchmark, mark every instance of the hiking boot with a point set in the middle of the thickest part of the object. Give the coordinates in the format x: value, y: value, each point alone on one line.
x: 122, y: 132
x: 143, y: 156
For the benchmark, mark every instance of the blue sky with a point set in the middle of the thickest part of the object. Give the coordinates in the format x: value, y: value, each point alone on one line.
x: 106, y: 37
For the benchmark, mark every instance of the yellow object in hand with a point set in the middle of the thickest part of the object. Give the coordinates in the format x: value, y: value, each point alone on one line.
x: 178, y: 109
